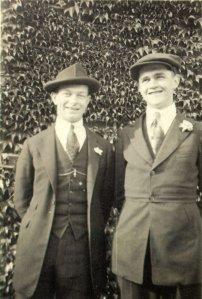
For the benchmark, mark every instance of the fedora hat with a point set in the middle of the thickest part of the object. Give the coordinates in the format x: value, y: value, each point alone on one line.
x: 173, y: 62
x: 74, y: 74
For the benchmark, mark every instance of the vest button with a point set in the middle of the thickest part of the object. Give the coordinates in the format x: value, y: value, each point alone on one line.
x: 153, y: 172
x: 152, y: 198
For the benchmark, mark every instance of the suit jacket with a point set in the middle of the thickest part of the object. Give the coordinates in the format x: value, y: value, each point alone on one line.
x: 158, y: 200
x: 35, y: 197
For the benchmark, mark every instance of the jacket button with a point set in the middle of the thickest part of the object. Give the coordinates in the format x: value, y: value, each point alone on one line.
x: 153, y: 172
x: 152, y: 198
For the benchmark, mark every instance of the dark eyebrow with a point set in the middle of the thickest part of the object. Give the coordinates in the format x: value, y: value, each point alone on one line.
x: 144, y: 77
x: 66, y: 91
x: 160, y: 73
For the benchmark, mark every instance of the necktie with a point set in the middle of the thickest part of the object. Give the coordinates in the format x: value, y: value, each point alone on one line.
x: 72, y: 145
x: 157, y: 133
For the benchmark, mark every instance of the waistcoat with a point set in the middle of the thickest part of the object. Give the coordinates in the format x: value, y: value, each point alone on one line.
x: 71, y: 196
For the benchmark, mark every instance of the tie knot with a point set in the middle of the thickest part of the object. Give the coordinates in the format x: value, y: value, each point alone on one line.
x: 157, y: 115
x: 156, y: 119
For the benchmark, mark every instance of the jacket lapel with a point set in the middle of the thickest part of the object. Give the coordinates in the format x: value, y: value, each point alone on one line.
x: 47, y: 149
x: 138, y: 141
x: 173, y: 139
x: 93, y: 163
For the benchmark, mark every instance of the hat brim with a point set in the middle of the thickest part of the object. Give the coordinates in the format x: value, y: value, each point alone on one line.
x: 135, y: 69
x: 93, y: 84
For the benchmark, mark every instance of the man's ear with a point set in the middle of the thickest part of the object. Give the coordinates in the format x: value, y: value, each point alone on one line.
x: 89, y: 98
x: 138, y: 89
x: 176, y: 80
x: 138, y: 86
x: 53, y: 97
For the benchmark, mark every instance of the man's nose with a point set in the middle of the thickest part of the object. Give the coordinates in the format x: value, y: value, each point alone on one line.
x: 153, y: 83
x: 73, y: 99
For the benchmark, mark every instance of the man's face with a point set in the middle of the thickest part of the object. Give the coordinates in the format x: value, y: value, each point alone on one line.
x: 157, y: 84
x: 71, y: 102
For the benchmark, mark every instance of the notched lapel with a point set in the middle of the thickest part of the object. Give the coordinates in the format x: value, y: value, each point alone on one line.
x: 47, y: 149
x: 138, y: 141
x: 173, y: 139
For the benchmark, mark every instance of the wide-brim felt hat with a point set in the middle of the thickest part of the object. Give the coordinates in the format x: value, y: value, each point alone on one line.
x: 173, y: 62
x: 74, y: 74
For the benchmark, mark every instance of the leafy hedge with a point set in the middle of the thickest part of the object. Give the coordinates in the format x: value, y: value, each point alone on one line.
x: 41, y: 37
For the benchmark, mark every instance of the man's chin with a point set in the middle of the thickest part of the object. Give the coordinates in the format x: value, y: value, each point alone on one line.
x: 157, y: 103
x: 154, y: 104
x: 73, y: 119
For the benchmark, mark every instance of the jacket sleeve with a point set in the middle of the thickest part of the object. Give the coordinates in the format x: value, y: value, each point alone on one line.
x: 24, y: 178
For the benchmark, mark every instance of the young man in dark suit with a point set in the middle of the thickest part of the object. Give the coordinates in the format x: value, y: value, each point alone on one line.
x: 157, y: 243
x: 63, y: 193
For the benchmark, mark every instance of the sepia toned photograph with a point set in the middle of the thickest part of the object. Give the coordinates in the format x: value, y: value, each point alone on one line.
x: 101, y: 149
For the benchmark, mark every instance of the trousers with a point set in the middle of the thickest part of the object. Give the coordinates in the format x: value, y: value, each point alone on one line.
x: 65, y: 272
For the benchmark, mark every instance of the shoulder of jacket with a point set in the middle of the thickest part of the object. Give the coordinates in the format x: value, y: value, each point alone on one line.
x: 34, y: 139
x: 101, y: 140
x: 197, y: 125
x: 127, y: 128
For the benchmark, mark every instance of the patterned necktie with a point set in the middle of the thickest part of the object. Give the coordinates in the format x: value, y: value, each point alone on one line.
x: 72, y: 145
x: 157, y: 133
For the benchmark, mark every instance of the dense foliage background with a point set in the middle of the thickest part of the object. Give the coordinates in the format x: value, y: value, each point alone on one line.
x: 41, y: 37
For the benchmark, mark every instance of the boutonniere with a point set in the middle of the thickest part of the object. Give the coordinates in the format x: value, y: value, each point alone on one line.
x: 98, y: 150
x: 186, y: 126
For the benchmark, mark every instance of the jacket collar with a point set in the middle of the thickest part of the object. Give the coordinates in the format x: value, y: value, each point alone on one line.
x: 173, y: 139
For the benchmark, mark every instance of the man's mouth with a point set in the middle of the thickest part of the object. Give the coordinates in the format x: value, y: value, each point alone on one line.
x: 154, y: 92
x: 71, y: 108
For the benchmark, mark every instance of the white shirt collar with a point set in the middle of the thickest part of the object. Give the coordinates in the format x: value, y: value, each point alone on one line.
x: 62, y: 128
x: 63, y: 124
x: 167, y: 116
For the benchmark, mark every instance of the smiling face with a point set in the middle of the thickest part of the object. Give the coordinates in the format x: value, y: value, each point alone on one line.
x: 71, y: 102
x: 157, y: 84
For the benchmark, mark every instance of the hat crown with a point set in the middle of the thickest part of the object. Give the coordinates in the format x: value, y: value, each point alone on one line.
x: 170, y: 60
x: 74, y: 71
x: 74, y: 74
x: 158, y: 57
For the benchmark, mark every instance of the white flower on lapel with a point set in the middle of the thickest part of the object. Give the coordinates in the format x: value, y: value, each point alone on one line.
x: 186, y: 126
x: 98, y: 150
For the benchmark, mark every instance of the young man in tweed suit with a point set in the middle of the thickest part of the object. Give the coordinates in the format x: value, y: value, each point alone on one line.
x: 157, y: 243
x: 63, y: 193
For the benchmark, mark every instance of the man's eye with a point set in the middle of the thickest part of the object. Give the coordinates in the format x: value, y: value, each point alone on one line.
x: 160, y: 77
x: 67, y: 94
x: 145, y: 80
x: 80, y: 96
